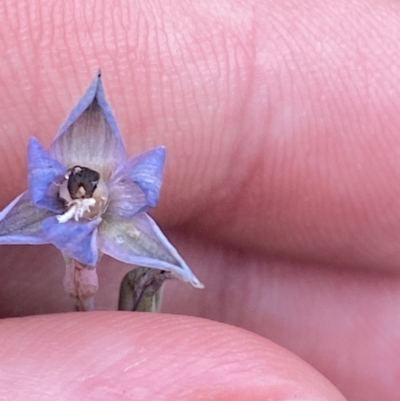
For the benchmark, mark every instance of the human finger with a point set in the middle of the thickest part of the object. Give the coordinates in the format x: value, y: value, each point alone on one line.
x: 148, y: 356
x: 270, y: 112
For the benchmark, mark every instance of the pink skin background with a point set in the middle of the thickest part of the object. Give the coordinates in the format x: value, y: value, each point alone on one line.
x: 281, y: 121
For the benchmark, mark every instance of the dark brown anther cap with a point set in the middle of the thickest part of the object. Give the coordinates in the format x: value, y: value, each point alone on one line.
x: 82, y: 182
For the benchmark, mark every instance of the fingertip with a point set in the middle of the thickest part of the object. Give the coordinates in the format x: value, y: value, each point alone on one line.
x: 120, y: 355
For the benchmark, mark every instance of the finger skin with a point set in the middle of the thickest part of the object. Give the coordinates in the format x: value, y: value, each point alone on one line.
x: 133, y: 356
x: 279, y: 117
x: 344, y: 323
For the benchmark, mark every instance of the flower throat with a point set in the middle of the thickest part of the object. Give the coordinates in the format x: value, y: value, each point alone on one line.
x: 85, y: 195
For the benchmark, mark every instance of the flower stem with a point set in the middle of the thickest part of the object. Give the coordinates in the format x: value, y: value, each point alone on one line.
x: 81, y: 283
x: 140, y: 289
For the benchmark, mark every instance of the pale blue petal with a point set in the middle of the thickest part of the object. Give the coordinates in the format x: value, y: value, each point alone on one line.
x: 139, y: 241
x: 42, y: 177
x: 75, y: 239
x: 136, y: 185
x: 20, y: 222
x: 90, y: 137
x: 126, y: 199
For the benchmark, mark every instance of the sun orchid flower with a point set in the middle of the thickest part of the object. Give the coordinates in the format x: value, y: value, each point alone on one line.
x: 88, y: 198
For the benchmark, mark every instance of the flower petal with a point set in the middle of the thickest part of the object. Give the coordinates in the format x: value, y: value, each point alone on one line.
x: 126, y: 199
x: 20, y: 222
x: 75, y: 239
x: 136, y: 185
x: 139, y: 241
x: 43, y: 173
x: 90, y: 137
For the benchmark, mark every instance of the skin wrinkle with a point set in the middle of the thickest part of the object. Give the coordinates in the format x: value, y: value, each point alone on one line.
x: 159, y: 98
x: 204, y: 95
x: 193, y: 80
x: 142, y: 104
x: 221, y: 180
x: 220, y: 192
x: 87, y: 16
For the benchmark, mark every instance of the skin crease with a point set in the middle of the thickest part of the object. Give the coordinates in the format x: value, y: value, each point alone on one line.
x: 280, y: 121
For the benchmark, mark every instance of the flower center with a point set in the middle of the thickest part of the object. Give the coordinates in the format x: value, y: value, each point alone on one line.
x: 85, y: 194
x: 82, y: 182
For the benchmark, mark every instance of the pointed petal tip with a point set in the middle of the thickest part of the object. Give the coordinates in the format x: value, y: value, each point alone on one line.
x: 34, y: 144
x: 137, y: 183
x: 187, y: 275
x: 90, y: 135
x: 20, y: 222
x: 162, y: 152
x: 98, y: 81
x: 196, y: 283
x: 139, y: 241
x: 33, y: 141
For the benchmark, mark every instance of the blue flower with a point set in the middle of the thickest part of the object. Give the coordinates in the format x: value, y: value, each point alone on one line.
x: 87, y: 197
